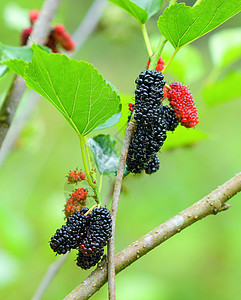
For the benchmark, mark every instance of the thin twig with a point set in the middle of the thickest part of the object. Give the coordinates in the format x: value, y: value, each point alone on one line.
x: 114, y: 208
x: 39, y: 35
x: 210, y: 204
x: 86, y: 27
x: 51, y: 272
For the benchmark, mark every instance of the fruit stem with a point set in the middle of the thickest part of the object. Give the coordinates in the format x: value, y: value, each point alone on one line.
x: 90, y: 210
x: 170, y: 60
x: 146, y: 39
x: 89, y: 179
x: 157, y: 54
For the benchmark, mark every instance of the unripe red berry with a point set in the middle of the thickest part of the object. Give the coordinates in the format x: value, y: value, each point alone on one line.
x: 79, y: 194
x: 33, y: 15
x: 76, y: 176
x: 131, y: 106
x: 25, y: 35
x: 182, y: 103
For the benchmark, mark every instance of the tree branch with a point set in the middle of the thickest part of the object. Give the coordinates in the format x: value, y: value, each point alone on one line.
x: 39, y: 35
x: 210, y: 204
x: 114, y: 208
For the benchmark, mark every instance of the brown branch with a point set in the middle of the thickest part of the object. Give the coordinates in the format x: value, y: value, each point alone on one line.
x: 39, y: 35
x: 210, y: 204
x: 114, y: 208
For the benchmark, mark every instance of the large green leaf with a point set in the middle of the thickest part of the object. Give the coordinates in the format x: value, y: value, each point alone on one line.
x: 226, y: 89
x: 141, y: 10
x: 74, y: 87
x: 106, y: 158
x: 182, y: 24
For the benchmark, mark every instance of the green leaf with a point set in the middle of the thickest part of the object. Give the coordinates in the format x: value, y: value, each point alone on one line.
x: 3, y: 71
x: 106, y: 158
x: 181, y: 24
x: 141, y: 10
x: 224, y: 90
x: 225, y: 47
x: 183, y: 137
x: 74, y: 87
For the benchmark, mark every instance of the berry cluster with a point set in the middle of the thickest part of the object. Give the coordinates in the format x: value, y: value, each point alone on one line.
x: 58, y: 35
x: 181, y: 100
x: 152, y: 120
x: 76, y: 201
x: 87, y: 232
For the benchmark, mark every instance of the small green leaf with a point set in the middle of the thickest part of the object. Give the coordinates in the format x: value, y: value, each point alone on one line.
x: 225, y: 47
x: 141, y: 10
x: 106, y: 158
x: 226, y: 89
x: 74, y: 87
x: 183, y: 137
x: 3, y: 71
x: 181, y: 24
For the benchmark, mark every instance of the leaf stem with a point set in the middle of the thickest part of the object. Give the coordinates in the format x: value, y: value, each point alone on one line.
x: 85, y: 162
x: 157, y: 53
x: 170, y: 60
x: 146, y: 39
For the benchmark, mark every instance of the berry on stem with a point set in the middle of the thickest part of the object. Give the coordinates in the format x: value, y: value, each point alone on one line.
x: 76, y: 176
x: 181, y: 100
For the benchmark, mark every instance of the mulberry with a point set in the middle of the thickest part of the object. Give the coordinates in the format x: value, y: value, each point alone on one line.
x: 153, y: 165
x: 151, y: 126
x: 169, y: 118
x: 86, y: 262
x: 76, y: 176
x: 99, y: 231
x: 70, y: 235
x: 181, y: 100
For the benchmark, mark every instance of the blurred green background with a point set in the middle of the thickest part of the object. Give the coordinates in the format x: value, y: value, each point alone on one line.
x: 203, y: 262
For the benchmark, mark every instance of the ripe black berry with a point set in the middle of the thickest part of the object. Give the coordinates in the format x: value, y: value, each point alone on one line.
x: 86, y: 262
x: 150, y: 124
x: 169, y: 117
x: 70, y: 235
x: 99, y: 231
x: 153, y: 165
